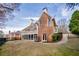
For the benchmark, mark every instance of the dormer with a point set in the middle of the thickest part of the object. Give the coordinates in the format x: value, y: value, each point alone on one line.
x: 31, y: 21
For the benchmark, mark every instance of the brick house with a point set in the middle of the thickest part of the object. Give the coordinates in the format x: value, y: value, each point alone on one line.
x: 42, y: 30
x: 13, y: 36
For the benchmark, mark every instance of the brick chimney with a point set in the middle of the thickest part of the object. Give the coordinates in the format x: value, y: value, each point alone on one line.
x: 45, y: 10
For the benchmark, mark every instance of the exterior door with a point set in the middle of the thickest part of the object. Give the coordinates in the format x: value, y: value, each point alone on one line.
x: 44, y: 37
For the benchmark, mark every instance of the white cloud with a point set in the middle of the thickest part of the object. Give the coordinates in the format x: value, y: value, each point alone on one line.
x: 29, y: 19
x: 68, y: 13
x: 12, y: 29
x: 18, y: 28
x: 34, y: 18
x: 64, y: 12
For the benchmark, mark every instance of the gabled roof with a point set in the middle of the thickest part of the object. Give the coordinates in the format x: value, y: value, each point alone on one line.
x: 53, y: 19
x: 31, y: 27
x: 49, y: 17
x: 54, y: 22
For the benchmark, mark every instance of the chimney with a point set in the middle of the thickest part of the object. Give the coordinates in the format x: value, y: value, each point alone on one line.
x: 9, y: 32
x: 45, y: 10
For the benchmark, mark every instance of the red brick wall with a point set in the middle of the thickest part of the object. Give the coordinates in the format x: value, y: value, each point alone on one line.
x: 43, y: 28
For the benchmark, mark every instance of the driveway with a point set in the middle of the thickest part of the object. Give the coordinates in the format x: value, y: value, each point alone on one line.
x: 64, y: 39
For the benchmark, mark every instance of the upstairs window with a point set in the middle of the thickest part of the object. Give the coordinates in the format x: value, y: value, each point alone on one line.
x: 49, y: 22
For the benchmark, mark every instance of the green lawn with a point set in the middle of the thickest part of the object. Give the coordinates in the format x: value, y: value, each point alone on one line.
x: 26, y: 48
x: 71, y: 47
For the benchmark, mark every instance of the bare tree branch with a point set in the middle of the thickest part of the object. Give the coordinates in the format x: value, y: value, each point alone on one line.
x: 6, y: 10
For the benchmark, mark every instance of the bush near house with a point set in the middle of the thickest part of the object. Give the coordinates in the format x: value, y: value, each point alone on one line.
x: 16, y: 38
x: 13, y: 38
x: 56, y: 37
x: 2, y: 41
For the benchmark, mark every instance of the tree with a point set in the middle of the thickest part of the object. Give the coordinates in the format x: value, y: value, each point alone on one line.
x: 1, y: 34
x: 74, y: 23
x: 71, y: 6
x: 6, y: 10
x: 63, y: 27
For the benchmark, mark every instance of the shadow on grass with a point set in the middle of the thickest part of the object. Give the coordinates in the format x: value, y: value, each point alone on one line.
x: 2, y: 41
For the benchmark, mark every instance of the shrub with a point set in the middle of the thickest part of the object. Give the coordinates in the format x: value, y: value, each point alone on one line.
x: 56, y: 37
x: 2, y: 41
x: 12, y: 38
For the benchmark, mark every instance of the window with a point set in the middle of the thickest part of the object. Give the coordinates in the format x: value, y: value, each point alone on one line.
x: 44, y: 36
x: 48, y: 22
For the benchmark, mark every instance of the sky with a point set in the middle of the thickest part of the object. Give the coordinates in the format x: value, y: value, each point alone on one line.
x: 33, y: 11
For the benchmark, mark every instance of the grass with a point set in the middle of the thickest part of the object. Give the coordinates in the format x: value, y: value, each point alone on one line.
x: 30, y: 48
x: 71, y: 47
